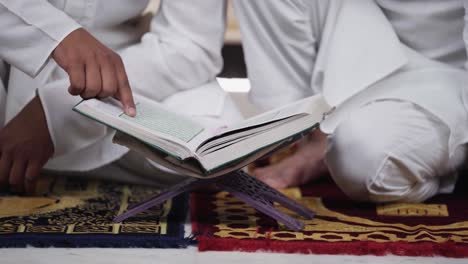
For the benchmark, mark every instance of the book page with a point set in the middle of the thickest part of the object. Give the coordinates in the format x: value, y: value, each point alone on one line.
x: 151, y: 117
x: 160, y: 120
x: 287, y: 111
x: 154, y: 124
x: 299, y: 119
x: 268, y: 119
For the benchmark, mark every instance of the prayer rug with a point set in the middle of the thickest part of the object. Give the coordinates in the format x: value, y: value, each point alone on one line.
x: 341, y: 226
x: 78, y: 213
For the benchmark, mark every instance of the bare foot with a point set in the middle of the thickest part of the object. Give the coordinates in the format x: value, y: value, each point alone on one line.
x: 303, y: 166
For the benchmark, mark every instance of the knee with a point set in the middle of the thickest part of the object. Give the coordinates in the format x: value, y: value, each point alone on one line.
x: 350, y: 155
x: 369, y: 164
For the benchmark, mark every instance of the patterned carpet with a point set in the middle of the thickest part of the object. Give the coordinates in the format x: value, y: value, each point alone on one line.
x: 74, y: 213
x: 437, y: 227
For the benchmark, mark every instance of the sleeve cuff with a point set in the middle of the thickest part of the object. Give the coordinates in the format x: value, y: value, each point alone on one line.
x: 43, y: 57
x: 29, y: 37
x: 68, y: 130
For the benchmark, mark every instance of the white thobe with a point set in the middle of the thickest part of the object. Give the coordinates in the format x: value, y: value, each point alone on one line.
x: 180, y: 52
x: 398, y: 132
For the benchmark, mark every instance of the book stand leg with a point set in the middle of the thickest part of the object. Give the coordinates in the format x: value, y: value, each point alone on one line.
x: 241, y: 185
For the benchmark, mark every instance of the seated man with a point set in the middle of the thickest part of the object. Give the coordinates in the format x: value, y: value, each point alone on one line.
x: 399, y: 132
x: 181, y: 51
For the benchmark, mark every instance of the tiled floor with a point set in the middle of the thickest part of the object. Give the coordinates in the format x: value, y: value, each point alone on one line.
x: 190, y: 255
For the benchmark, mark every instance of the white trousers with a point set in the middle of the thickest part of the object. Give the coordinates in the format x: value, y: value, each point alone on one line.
x: 386, y: 150
x: 132, y: 168
x: 391, y: 150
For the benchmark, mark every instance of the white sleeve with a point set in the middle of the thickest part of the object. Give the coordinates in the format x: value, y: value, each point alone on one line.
x: 29, y: 32
x: 68, y: 130
x: 181, y: 51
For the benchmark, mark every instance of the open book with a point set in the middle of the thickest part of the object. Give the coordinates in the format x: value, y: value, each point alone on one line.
x: 179, y: 143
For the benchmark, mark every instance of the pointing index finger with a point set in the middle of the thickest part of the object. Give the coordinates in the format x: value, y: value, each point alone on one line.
x: 125, y: 92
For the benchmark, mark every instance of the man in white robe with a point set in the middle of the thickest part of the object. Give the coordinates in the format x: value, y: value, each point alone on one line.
x: 171, y: 63
x: 399, y: 131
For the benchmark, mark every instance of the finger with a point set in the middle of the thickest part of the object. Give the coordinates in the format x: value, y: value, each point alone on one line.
x: 93, y: 80
x: 33, y: 171
x: 77, y: 79
x: 125, y: 92
x: 109, y: 79
x: 17, y: 175
x: 5, y: 166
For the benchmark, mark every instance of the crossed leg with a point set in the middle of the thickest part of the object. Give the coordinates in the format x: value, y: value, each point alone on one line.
x: 402, y: 157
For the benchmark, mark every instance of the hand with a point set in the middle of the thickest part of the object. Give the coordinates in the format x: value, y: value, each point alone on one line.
x: 25, y: 146
x: 94, y: 70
